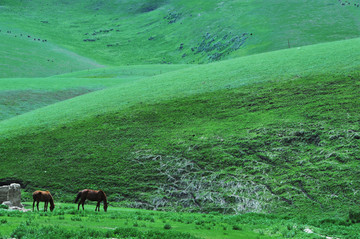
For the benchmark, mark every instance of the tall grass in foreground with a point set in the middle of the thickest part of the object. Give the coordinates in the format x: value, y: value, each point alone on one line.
x: 67, y: 222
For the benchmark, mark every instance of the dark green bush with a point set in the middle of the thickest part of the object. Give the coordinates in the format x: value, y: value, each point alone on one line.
x: 167, y: 226
x: 354, y: 216
x: 236, y: 227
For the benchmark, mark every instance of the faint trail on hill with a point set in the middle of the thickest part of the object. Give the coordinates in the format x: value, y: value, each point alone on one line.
x: 28, y: 55
x: 75, y: 55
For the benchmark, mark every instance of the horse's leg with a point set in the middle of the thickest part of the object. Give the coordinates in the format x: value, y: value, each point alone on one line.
x: 97, y: 206
x: 33, y: 204
x: 83, y: 202
x: 46, y: 206
x: 37, y: 205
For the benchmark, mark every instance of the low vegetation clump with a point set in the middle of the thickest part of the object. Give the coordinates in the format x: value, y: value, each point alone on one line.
x: 354, y: 216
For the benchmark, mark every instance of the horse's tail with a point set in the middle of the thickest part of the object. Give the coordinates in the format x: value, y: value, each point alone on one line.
x: 78, y: 196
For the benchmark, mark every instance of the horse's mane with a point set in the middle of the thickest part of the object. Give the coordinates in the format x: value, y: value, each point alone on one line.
x: 51, y: 200
x: 103, y: 194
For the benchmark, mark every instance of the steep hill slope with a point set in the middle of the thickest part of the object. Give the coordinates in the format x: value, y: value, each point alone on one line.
x: 26, y: 55
x: 168, y: 31
x: 258, y: 132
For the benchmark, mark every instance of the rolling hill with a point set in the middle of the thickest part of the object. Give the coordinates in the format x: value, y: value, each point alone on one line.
x: 206, y: 106
x: 217, y: 117
x: 165, y: 31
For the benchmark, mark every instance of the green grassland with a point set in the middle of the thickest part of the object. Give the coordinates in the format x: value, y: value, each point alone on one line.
x: 127, y: 223
x: 21, y: 95
x: 262, y: 138
x: 66, y: 222
x: 23, y: 57
x: 333, y: 58
x: 167, y: 31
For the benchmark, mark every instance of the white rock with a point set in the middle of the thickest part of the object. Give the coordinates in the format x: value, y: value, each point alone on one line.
x: 10, y: 195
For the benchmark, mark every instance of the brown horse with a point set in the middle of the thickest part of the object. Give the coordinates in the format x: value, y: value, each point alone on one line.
x: 92, y: 195
x: 43, y: 196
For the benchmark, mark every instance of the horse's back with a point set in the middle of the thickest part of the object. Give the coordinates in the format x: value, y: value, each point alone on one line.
x: 36, y: 193
x: 41, y: 195
x: 93, y: 195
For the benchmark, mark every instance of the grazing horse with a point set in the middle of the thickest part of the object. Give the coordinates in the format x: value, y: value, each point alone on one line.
x: 43, y: 196
x: 92, y: 195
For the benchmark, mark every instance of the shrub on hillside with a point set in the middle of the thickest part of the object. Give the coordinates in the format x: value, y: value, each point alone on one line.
x: 167, y: 226
x: 236, y: 227
x: 354, y: 216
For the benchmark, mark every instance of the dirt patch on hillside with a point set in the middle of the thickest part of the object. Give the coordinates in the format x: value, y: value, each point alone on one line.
x: 17, y: 102
x: 150, y: 6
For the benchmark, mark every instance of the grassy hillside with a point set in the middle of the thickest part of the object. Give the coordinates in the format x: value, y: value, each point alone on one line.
x: 95, y: 94
x: 258, y: 143
x: 335, y: 58
x: 125, y: 72
x: 159, y: 31
x: 23, y: 56
x: 21, y: 95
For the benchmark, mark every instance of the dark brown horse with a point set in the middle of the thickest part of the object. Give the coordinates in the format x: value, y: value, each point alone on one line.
x: 92, y: 195
x: 43, y: 196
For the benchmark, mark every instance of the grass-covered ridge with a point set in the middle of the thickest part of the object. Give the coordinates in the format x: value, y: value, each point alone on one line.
x: 148, y: 32
x: 26, y: 55
x: 21, y: 95
x: 335, y: 58
x: 288, y: 143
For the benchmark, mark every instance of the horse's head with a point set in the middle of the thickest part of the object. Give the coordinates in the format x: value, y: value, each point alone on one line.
x: 105, y: 207
x: 52, y: 206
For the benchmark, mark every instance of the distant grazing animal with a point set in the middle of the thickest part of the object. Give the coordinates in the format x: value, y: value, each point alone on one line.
x: 43, y: 196
x: 92, y: 195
